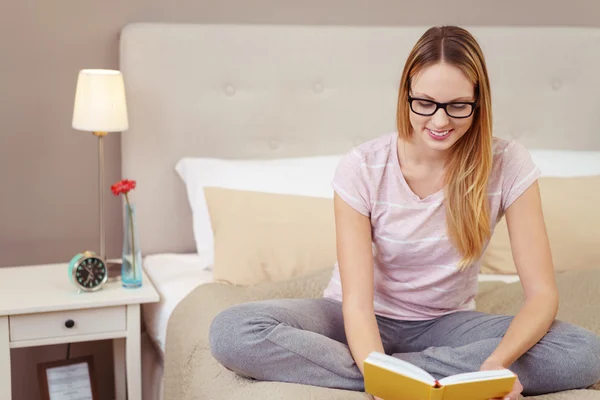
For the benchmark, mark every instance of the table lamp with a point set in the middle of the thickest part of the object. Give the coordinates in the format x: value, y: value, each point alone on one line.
x: 100, y: 107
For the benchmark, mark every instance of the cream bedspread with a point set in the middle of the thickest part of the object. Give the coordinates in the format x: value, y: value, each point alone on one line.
x: 192, y: 373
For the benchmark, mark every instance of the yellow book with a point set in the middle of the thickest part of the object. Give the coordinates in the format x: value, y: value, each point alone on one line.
x: 390, y: 378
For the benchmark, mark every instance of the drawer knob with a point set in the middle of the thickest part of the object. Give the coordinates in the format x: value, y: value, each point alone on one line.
x: 70, y: 323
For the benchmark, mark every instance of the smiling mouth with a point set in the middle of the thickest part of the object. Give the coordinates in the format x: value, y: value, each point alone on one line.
x: 439, y: 133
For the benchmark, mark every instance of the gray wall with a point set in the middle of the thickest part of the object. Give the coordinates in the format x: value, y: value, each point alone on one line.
x: 49, y: 198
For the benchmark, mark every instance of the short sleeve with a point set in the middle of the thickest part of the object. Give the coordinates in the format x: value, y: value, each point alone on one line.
x: 518, y: 172
x: 351, y: 183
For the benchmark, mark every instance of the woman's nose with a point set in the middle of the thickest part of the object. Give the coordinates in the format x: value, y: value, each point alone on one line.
x: 440, y: 119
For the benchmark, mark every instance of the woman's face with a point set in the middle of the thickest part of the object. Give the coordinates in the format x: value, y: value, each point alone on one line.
x: 442, y: 83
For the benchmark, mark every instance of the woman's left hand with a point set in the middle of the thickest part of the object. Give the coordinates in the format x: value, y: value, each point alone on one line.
x: 517, y: 387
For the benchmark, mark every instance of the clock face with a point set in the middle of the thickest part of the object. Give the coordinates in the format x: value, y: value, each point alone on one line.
x: 90, y: 272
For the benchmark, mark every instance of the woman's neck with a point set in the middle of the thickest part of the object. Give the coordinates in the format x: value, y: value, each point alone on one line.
x: 416, y: 154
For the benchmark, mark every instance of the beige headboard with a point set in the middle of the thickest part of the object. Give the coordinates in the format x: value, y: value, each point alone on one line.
x: 235, y: 91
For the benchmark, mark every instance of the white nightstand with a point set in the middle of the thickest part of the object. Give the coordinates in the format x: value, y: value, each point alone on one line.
x: 36, y: 301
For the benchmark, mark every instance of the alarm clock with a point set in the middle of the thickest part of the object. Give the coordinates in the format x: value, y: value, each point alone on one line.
x: 88, y: 271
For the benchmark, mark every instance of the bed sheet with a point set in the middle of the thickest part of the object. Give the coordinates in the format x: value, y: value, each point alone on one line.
x: 174, y: 277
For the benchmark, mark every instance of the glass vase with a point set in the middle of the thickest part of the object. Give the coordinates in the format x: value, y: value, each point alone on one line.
x: 131, y: 268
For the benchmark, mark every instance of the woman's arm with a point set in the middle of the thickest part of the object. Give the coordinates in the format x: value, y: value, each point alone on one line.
x: 355, y: 259
x: 532, y: 257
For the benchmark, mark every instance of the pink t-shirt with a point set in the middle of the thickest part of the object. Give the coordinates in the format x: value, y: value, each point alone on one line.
x: 416, y: 275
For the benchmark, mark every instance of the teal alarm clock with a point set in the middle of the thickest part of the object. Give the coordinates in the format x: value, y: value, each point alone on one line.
x: 88, y: 271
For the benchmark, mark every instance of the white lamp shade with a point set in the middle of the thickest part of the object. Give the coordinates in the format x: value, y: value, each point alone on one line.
x: 100, y: 102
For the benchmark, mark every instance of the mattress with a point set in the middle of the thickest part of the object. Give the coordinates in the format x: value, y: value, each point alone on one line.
x: 192, y: 372
x: 176, y: 275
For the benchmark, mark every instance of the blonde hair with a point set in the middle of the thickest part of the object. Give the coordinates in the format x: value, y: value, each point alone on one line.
x: 470, y: 161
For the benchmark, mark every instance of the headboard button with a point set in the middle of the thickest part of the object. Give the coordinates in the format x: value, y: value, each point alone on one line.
x: 318, y: 87
x: 274, y: 144
x: 229, y: 90
x: 556, y: 84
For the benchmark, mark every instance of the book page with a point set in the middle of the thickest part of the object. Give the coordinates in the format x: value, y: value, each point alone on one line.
x: 400, y: 366
x: 476, y: 376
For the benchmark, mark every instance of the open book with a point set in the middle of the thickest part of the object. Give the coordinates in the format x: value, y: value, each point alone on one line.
x: 390, y: 378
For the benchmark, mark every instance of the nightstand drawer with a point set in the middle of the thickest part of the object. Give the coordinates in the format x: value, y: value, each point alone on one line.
x: 67, y: 323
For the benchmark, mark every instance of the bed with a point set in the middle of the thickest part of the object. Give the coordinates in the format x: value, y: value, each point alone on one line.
x: 247, y: 107
x: 174, y: 275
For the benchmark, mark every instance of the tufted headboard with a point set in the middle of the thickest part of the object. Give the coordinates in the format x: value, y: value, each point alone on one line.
x: 250, y: 91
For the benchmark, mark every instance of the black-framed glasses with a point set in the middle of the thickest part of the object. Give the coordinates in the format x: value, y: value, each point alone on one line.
x: 455, y: 109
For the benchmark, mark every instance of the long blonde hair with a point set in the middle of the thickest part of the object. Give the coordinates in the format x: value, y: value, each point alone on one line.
x: 470, y: 162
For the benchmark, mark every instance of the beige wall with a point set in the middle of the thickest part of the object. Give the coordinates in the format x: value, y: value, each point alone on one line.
x: 48, y: 171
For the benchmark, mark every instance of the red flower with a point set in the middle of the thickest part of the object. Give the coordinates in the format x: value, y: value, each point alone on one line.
x: 123, y: 187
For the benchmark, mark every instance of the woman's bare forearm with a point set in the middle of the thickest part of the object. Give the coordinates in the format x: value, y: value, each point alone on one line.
x: 362, y: 333
x: 527, y: 328
x: 355, y: 257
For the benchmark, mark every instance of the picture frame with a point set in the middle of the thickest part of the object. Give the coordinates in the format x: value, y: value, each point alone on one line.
x: 68, y: 379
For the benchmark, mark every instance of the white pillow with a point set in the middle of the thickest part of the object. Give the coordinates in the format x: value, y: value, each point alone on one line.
x: 308, y: 176
x: 566, y: 163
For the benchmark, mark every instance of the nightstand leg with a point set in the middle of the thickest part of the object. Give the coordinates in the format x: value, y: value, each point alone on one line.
x: 119, y: 368
x: 5, y: 390
x: 133, y: 353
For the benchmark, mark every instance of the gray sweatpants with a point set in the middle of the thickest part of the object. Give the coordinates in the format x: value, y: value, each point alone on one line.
x: 303, y: 341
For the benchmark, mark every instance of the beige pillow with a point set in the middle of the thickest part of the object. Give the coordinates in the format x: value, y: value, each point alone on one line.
x: 572, y: 214
x: 265, y: 237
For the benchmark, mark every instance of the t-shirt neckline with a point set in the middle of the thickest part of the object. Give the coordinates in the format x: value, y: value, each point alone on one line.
x: 434, y: 197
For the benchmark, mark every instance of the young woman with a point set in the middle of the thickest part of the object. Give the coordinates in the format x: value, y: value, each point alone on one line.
x: 414, y: 211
